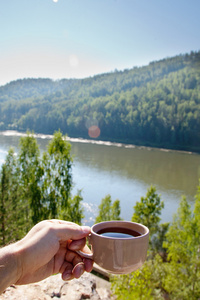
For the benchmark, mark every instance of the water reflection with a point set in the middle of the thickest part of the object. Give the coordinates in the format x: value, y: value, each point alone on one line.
x: 168, y: 170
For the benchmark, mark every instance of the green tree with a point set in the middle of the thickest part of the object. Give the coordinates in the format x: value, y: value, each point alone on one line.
x: 178, y: 277
x: 74, y: 211
x: 145, y: 283
x: 3, y: 203
x: 11, y: 204
x: 116, y: 210
x: 183, y: 248
x: 158, y: 239
x: 33, y: 188
x: 30, y: 175
x: 57, y: 181
x: 46, y: 181
x: 148, y: 210
x: 108, y: 211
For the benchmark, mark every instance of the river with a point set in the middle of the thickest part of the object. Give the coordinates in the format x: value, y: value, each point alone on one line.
x: 125, y: 172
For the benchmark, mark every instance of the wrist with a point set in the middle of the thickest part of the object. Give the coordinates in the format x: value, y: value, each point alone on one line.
x: 9, y: 266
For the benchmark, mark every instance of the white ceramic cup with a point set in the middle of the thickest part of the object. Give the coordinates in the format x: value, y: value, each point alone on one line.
x: 118, y: 255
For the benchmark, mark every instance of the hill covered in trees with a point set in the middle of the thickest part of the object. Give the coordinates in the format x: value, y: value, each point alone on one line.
x: 155, y: 105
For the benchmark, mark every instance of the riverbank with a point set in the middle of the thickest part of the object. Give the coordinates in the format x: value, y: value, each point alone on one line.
x: 95, y: 142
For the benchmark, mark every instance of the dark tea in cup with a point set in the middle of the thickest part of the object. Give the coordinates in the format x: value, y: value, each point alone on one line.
x: 118, y: 232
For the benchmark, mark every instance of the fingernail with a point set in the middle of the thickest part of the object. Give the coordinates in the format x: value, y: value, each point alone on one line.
x: 79, y: 270
x: 86, y: 229
x: 66, y: 276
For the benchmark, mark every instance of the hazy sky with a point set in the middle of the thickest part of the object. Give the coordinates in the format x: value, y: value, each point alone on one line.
x: 81, y: 38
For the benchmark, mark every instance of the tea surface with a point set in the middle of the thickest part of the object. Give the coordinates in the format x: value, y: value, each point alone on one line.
x: 117, y: 232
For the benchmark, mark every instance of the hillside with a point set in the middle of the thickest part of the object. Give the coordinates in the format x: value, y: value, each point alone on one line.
x: 155, y: 105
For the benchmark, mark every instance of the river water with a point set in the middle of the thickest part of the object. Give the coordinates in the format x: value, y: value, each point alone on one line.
x: 125, y: 172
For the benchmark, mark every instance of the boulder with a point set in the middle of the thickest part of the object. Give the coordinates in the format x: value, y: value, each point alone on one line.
x: 88, y: 286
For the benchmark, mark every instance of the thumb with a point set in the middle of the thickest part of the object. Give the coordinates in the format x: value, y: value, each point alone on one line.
x: 71, y: 231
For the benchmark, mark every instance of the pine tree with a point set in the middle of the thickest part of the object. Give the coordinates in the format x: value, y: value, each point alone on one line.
x: 11, y: 204
x: 108, y: 211
x: 57, y: 181
x: 148, y: 210
x: 183, y: 248
x: 30, y: 176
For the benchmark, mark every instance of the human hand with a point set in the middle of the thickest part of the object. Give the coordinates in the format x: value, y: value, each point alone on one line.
x: 49, y: 248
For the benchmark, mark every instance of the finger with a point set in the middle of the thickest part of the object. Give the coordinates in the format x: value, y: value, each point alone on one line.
x: 78, y: 270
x: 70, y: 231
x: 77, y: 244
x: 88, y: 263
x: 66, y: 271
x: 73, y: 258
x: 59, y: 258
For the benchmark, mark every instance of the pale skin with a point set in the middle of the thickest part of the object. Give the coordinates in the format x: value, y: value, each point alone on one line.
x: 49, y: 248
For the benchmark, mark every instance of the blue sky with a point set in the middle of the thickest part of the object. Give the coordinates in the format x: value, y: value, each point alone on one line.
x: 80, y: 38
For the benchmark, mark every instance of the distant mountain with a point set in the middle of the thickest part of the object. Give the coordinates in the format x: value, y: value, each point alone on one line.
x: 155, y: 105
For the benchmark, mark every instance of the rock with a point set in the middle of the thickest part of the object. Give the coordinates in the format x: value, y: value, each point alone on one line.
x: 88, y: 286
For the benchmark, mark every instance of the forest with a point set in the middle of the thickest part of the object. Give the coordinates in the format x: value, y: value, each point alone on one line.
x: 156, y: 105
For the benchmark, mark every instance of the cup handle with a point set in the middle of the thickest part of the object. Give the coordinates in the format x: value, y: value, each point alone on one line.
x: 83, y: 254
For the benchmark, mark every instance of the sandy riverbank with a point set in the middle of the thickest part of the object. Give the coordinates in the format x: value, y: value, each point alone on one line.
x: 89, y: 141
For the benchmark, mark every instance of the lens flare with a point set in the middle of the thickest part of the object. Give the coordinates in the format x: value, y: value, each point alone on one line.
x: 94, y: 131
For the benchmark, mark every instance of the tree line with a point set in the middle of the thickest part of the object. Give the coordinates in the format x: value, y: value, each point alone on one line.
x: 156, y: 105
